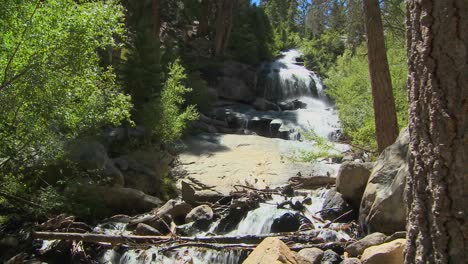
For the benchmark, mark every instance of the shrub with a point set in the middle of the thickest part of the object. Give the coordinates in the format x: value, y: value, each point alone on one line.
x: 349, y: 85
x: 165, y: 116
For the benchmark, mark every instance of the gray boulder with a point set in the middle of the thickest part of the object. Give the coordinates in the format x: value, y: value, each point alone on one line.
x: 355, y: 249
x: 146, y: 230
x: 310, y: 255
x: 114, y: 200
x: 335, y: 206
x: 234, y: 89
x: 265, y: 105
x: 331, y: 257
x: 92, y: 156
x: 351, y: 181
x: 382, y: 207
x: 202, y: 212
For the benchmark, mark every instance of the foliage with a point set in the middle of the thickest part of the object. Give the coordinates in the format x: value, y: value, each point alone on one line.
x: 52, y: 87
x: 322, y: 148
x: 348, y: 84
x: 321, y: 53
x: 165, y: 116
x: 251, y: 38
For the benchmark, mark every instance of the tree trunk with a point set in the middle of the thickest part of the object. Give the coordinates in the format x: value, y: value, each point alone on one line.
x: 437, y: 190
x: 223, y: 25
x: 156, y: 20
x: 384, y: 104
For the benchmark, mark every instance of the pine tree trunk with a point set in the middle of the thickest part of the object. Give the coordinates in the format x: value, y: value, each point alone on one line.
x: 437, y: 190
x: 384, y: 103
x: 223, y: 23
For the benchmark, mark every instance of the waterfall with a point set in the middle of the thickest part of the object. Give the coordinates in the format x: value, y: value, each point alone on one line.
x: 288, y: 78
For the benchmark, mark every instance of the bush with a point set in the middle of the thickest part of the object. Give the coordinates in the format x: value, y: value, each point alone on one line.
x: 349, y: 85
x: 320, y: 54
x: 164, y: 115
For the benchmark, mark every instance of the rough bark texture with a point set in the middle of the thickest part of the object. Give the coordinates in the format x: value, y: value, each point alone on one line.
x: 384, y: 103
x: 437, y: 41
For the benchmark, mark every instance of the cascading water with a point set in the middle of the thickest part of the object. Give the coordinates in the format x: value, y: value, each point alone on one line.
x: 287, y: 80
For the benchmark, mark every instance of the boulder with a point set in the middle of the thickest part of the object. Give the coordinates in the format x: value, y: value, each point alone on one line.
x: 145, y: 170
x: 192, y: 196
x: 288, y: 222
x: 146, y: 230
x: 238, y: 209
x: 234, y: 89
x: 292, y: 105
x: 355, y: 249
x: 177, y: 209
x: 272, y: 251
x: 331, y: 257
x: 351, y: 261
x: 396, y: 235
x: 382, y: 206
x: 244, y: 72
x: 388, y: 253
x: 202, y: 126
x: 334, y: 206
x: 351, y: 181
x: 115, y: 200
x: 92, y: 156
x: 262, y: 104
x: 202, y: 212
x: 311, y: 255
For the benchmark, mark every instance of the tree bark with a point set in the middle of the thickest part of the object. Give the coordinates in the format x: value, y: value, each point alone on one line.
x: 223, y: 25
x: 437, y: 43
x: 384, y: 103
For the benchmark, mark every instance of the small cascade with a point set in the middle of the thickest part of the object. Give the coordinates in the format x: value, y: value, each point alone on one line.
x: 288, y: 78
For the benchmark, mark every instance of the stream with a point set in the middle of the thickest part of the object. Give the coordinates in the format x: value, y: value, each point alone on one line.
x: 254, y: 159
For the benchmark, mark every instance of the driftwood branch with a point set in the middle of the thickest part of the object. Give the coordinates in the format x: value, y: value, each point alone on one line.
x: 296, y: 237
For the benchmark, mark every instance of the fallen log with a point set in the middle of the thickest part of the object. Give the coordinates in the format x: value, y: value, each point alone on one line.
x: 311, y: 182
x: 296, y: 237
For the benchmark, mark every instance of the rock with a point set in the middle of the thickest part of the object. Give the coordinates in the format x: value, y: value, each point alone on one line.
x: 262, y: 104
x: 355, y: 249
x: 202, y: 126
x: 146, y: 230
x: 331, y: 257
x: 292, y: 105
x: 234, y: 89
x: 351, y: 181
x: 190, y: 195
x: 351, y: 261
x: 92, y: 156
x: 311, y: 255
x: 202, y: 212
x: 115, y: 200
x: 396, y: 235
x: 177, y: 209
x: 271, y: 251
x: 288, y: 222
x: 382, y: 207
x: 162, y: 224
x: 244, y: 72
x: 334, y: 206
x: 388, y: 253
x: 146, y: 169
x: 237, y: 211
